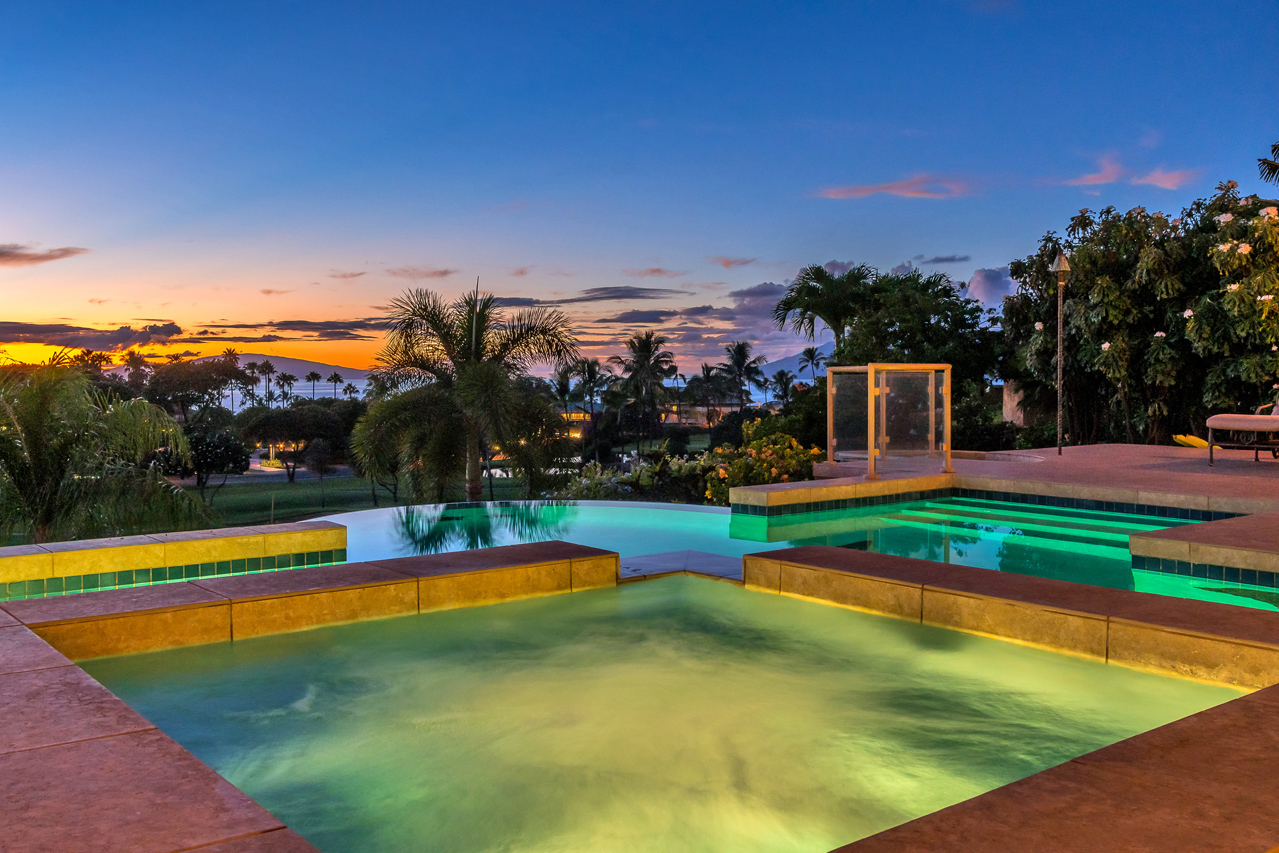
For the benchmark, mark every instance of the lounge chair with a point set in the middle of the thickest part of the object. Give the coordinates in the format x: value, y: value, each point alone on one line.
x: 1255, y: 432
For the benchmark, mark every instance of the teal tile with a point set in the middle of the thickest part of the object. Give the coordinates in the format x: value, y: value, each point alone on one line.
x: 239, y: 567
x: 313, y: 558
x: 299, y: 560
x: 270, y: 564
x: 254, y: 564
x: 224, y: 567
x: 191, y: 572
x: 326, y: 558
x: 208, y: 570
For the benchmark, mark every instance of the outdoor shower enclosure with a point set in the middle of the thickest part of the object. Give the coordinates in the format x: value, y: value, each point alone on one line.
x: 888, y: 412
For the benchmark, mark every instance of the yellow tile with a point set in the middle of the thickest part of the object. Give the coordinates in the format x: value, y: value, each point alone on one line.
x: 761, y: 574
x: 1193, y: 655
x: 212, y: 548
x: 1059, y: 630
x: 24, y: 563
x: 140, y: 632
x: 1154, y: 546
x: 874, y: 595
x: 294, y: 612
x: 472, y: 588
x: 106, y: 555
x: 594, y: 572
x: 747, y: 495
x: 302, y: 541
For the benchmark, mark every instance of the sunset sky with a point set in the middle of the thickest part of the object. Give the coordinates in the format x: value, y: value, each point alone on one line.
x: 188, y: 177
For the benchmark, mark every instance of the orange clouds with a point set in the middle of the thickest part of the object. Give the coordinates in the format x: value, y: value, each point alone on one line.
x: 420, y: 273
x: 730, y: 263
x: 20, y: 255
x: 654, y: 272
x: 1168, y: 180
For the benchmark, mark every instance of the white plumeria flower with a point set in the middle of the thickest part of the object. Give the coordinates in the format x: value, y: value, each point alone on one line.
x: 1188, y: 314
x: 1232, y: 287
x: 1224, y: 247
x: 1224, y: 218
x: 1039, y: 327
x: 1244, y: 249
x: 1270, y: 213
x: 1265, y: 298
x: 1105, y: 346
x: 1160, y: 335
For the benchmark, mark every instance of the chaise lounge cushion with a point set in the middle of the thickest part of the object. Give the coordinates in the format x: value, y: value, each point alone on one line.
x: 1246, y: 423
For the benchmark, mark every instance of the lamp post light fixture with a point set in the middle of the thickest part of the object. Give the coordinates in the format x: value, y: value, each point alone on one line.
x: 1062, y: 267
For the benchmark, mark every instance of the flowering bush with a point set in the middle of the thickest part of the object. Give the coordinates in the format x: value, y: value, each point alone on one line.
x: 770, y: 458
x: 677, y: 479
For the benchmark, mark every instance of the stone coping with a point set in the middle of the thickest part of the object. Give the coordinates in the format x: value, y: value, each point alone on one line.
x: 84, y: 771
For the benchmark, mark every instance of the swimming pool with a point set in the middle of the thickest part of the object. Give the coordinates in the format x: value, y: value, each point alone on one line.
x: 680, y: 714
x: 1084, y: 546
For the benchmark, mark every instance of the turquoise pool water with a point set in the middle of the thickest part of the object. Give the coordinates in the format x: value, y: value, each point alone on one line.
x: 675, y: 715
x: 1084, y: 546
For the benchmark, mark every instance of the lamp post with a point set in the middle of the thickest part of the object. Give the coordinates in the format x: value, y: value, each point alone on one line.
x: 1062, y: 268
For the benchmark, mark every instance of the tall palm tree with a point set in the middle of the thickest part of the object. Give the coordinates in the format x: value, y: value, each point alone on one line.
x: 644, y: 369
x: 812, y: 358
x: 1269, y: 168
x: 251, y: 368
x: 285, y: 382
x: 457, y: 364
x: 742, y: 370
x: 351, y: 390
x: 562, y: 383
x: 74, y: 464
x: 312, y: 377
x: 266, y: 370
x: 593, y: 379
x: 818, y: 294
x: 784, y: 386
x: 336, y: 379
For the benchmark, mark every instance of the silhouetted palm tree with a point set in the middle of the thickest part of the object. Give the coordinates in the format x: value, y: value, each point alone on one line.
x: 1269, y: 167
x: 285, y: 382
x: 336, y: 379
x: 644, y: 369
x: 312, y: 377
x: 266, y: 370
x: 742, y: 370
x: 783, y: 387
x: 351, y: 390
x: 811, y: 358
x: 818, y: 294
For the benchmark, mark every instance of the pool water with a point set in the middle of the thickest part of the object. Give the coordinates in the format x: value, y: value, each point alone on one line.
x: 1085, y: 546
x: 679, y: 714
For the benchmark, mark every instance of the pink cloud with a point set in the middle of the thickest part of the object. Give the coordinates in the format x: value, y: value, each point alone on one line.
x: 653, y: 272
x: 18, y: 255
x: 918, y: 186
x: 520, y: 271
x: 340, y: 274
x: 1168, y: 180
x: 1108, y: 172
x: 730, y: 263
x: 270, y: 291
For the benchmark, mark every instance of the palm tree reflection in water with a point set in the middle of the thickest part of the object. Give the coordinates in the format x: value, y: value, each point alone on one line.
x: 438, y: 528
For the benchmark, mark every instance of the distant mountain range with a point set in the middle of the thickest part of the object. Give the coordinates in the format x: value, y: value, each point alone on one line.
x: 791, y: 363
x: 300, y: 367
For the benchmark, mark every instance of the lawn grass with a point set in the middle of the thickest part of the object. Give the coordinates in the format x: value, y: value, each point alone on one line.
x: 276, y: 500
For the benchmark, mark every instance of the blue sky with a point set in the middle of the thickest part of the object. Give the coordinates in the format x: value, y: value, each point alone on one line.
x: 222, y: 164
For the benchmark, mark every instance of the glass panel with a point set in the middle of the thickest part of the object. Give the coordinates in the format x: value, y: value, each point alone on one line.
x: 848, y: 400
x: 906, y: 418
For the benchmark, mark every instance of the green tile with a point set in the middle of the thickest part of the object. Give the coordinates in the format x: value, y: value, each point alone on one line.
x: 326, y: 558
x: 191, y: 572
x: 17, y: 589
x: 35, y: 587
x: 339, y: 555
x: 239, y: 567
x: 54, y: 586
x: 254, y: 564
x: 92, y: 582
x: 73, y: 584
x: 107, y: 580
x: 208, y: 570
x: 313, y: 558
x: 124, y: 578
x: 270, y: 564
x: 224, y: 567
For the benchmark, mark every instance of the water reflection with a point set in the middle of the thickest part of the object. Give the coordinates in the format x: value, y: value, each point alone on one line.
x: 439, y: 528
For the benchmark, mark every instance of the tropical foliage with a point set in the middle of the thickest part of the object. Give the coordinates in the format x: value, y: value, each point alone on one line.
x: 76, y: 464
x: 767, y: 456
x: 1167, y: 319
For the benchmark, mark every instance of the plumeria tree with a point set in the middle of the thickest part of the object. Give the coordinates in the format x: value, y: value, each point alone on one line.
x: 1165, y: 320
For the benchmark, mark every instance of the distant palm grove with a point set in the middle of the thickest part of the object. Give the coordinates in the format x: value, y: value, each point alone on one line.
x: 1168, y: 319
